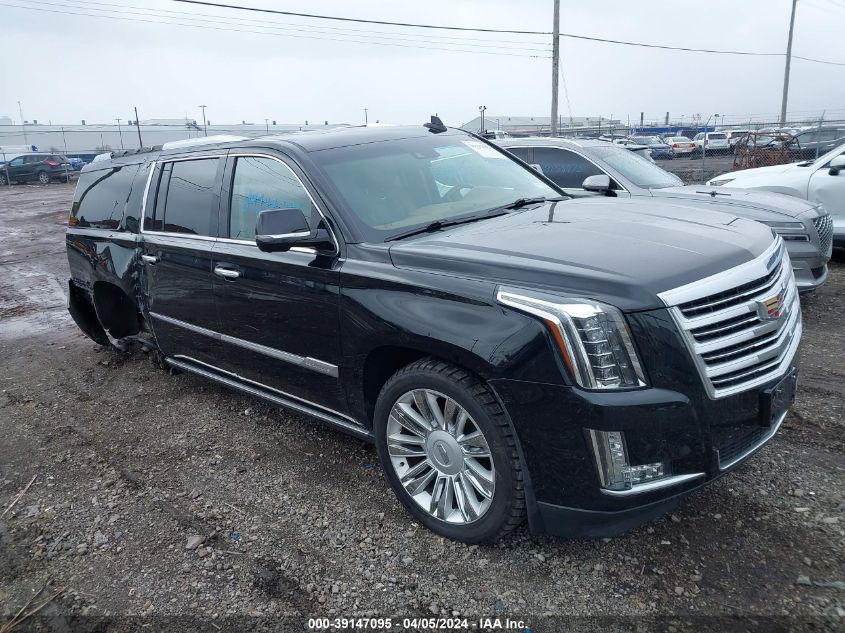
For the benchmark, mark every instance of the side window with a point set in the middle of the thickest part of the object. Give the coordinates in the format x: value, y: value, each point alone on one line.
x: 564, y: 168
x: 16, y: 162
x: 100, y: 197
x: 263, y: 183
x: 186, y: 198
x: 524, y: 154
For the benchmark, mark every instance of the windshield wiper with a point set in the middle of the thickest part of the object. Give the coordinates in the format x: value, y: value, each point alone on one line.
x: 524, y: 202
x: 442, y: 224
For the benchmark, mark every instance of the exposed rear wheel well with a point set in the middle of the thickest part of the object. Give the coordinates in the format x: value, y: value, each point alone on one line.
x: 115, y: 310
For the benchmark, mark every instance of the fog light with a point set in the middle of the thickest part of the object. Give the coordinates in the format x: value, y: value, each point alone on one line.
x: 615, y: 472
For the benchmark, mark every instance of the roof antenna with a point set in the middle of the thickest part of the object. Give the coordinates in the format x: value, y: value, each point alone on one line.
x: 436, y: 126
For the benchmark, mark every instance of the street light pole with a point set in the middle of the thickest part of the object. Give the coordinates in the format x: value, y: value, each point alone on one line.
x: 366, y: 119
x: 555, y: 65
x: 788, y: 62
x: 138, y: 127
x: 266, y: 126
x: 481, y: 109
x: 204, y: 124
x: 23, y: 124
x: 120, y: 132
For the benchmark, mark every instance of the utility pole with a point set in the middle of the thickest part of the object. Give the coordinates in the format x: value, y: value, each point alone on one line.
x: 120, y: 132
x: 138, y: 127
x: 204, y: 124
x: 366, y: 120
x: 266, y: 125
x: 555, y: 65
x: 788, y: 62
x: 23, y: 125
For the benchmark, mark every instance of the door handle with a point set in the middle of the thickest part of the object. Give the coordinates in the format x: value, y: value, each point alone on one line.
x: 226, y: 273
x: 150, y: 259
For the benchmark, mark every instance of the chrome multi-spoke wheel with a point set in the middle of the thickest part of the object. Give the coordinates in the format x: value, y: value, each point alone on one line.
x: 440, y: 456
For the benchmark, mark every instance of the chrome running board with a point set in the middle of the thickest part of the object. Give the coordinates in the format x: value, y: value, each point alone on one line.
x: 275, y: 396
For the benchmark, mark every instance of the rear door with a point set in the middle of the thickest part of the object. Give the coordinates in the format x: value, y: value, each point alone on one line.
x: 279, y: 312
x: 179, y: 230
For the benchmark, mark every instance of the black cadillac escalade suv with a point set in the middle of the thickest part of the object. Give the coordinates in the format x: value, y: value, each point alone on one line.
x: 512, y: 353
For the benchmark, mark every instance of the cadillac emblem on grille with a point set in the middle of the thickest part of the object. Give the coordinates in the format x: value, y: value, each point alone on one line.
x: 771, y: 308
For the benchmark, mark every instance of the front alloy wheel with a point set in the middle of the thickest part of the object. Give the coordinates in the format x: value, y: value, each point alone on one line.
x: 440, y: 456
x: 448, y: 451
x: 44, y: 178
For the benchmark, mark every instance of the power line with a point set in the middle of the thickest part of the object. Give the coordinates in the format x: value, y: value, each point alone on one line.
x: 310, y: 37
x: 202, y: 17
x: 359, y: 20
x: 483, y: 30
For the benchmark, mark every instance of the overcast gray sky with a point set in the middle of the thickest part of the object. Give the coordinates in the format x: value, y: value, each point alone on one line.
x: 70, y: 67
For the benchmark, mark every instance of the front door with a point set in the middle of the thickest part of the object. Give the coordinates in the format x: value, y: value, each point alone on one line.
x: 279, y: 312
x: 17, y: 169
x: 180, y: 228
x: 830, y: 191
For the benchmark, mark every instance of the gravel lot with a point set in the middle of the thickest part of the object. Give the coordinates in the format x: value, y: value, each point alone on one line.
x: 159, y: 495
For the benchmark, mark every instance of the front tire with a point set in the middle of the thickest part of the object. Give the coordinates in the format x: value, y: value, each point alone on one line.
x: 448, y: 452
x: 44, y: 178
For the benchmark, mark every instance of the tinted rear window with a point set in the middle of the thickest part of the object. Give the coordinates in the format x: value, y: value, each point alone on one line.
x: 101, y: 196
x: 187, y: 198
x: 717, y: 136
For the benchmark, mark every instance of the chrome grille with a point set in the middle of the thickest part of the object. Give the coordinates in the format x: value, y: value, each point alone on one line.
x: 742, y: 326
x: 824, y: 225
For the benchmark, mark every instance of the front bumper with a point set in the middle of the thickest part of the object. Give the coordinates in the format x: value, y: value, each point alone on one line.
x: 686, y: 431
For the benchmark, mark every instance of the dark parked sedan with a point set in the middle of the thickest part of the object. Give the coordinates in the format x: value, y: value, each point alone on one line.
x: 658, y: 148
x: 38, y: 168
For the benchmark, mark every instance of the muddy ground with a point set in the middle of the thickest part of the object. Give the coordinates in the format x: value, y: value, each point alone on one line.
x: 296, y: 520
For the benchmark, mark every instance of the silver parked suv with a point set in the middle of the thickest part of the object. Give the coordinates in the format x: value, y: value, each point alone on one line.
x: 594, y: 168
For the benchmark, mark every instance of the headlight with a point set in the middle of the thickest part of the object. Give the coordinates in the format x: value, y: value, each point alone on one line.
x: 789, y: 226
x: 719, y: 183
x: 593, y: 338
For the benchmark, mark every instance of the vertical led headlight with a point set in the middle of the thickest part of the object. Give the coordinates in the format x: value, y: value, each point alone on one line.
x: 593, y: 338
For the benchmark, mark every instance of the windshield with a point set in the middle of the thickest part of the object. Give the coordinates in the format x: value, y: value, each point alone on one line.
x: 647, y: 140
x: 396, y: 185
x: 823, y: 160
x: 640, y: 171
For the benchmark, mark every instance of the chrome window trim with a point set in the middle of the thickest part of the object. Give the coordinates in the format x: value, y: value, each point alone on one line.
x: 153, y: 165
x: 226, y: 240
x: 763, y: 441
x: 299, y: 180
x: 314, y: 364
x: 651, y: 486
x: 587, y: 158
x: 268, y: 393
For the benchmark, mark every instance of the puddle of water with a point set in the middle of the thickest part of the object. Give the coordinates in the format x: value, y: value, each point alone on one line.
x: 34, y: 324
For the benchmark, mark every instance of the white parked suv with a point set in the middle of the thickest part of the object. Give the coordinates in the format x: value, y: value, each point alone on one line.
x: 716, y: 142
x: 821, y: 181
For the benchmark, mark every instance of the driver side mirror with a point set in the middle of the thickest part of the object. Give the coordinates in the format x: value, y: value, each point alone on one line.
x: 836, y: 165
x: 279, y: 230
x: 599, y: 183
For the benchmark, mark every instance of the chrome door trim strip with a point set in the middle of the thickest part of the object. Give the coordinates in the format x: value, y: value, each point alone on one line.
x: 314, y: 364
x: 268, y: 393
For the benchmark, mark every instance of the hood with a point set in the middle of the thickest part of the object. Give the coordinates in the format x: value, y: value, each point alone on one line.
x: 759, y: 171
x: 744, y: 203
x: 621, y: 251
